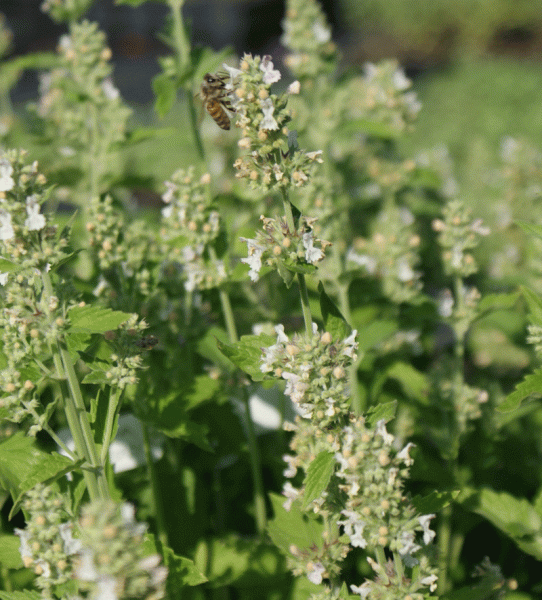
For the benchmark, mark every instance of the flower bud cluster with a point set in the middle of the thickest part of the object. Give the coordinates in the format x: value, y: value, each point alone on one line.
x: 391, y: 254
x: 272, y: 162
x: 458, y: 234
x: 463, y: 400
x: 459, y: 312
x: 315, y: 370
x: 47, y: 546
x: 189, y: 217
x: 278, y: 247
x: 79, y: 98
x: 521, y: 172
x: 389, y: 584
x: 376, y: 511
x: 535, y: 338
x: 112, y: 561
x: 387, y: 176
x: 128, y: 342
x: 381, y: 96
x: 116, y: 245
x: 308, y: 36
x: 365, y: 497
x: 25, y: 238
x: 66, y: 10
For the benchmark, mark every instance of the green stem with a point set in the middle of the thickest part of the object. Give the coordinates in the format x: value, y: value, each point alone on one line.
x: 113, y: 409
x: 182, y: 44
x: 444, y: 537
x: 307, y: 317
x: 193, y: 113
x: 156, y: 497
x: 76, y: 413
x: 255, y: 465
x: 381, y: 560
x: 399, y: 569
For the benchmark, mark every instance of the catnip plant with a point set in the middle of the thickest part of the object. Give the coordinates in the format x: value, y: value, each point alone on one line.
x: 298, y: 333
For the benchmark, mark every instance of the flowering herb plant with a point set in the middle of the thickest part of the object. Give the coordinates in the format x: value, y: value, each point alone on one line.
x: 294, y: 380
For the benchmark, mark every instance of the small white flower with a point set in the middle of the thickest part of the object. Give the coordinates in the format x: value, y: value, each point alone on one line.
x: 6, y: 180
x: 167, y: 211
x: 167, y: 197
x: 281, y: 336
x: 408, y: 546
x: 312, y: 254
x: 291, y: 494
x: 4, y: 278
x: 35, y: 221
x: 405, y: 272
x: 404, y: 455
x: 431, y: 581
x: 268, y: 122
x: 381, y: 431
x: 369, y: 263
x: 270, y: 75
x: 315, y: 156
x: 428, y: 534
x: 109, y: 89
x: 315, y: 574
x: 24, y: 548
x: 292, y: 468
x: 321, y: 33
x: 363, y: 590
x: 107, y: 588
x: 6, y: 229
x: 400, y: 80
x: 254, y: 259
x: 294, y: 87
x: 71, y: 545
x: 351, y: 344
x: 233, y: 73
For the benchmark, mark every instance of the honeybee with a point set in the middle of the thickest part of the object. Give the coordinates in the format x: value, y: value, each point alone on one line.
x: 215, y: 99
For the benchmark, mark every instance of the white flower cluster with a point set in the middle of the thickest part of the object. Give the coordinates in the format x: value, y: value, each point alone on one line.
x: 277, y: 246
x: 314, y: 369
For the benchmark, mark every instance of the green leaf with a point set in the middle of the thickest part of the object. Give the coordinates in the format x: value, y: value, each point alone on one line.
x: 515, y: 517
x: 491, y: 302
x: 318, y: 476
x: 531, y: 386
x: 434, y: 502
x: 334, y: 322
x: 10, y: 557
x: 370, y: 127
x: 23, y: 465
x: 384, y: 411
x: 375, y: 333
x: 243, y: 562
x: 20, y: 595
x: 530, y: 228
x: 13, y: 68
x: 293, y: 527
x: 247, y: 353
x: 165, y: 90
x: 181, y: 570
x: 6, y: 266
x: 142, y: 134
x: 48, y: 468
x: 94, y: 319
x: 413, y: 382
x: 534, y: 303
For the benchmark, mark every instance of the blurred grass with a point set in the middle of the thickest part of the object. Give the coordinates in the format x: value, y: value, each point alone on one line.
x: 470, y: 107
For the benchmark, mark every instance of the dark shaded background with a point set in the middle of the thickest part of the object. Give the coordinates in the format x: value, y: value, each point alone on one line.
x: 246, y: 25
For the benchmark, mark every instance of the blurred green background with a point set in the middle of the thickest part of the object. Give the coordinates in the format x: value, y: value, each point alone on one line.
x: 475, y: 63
